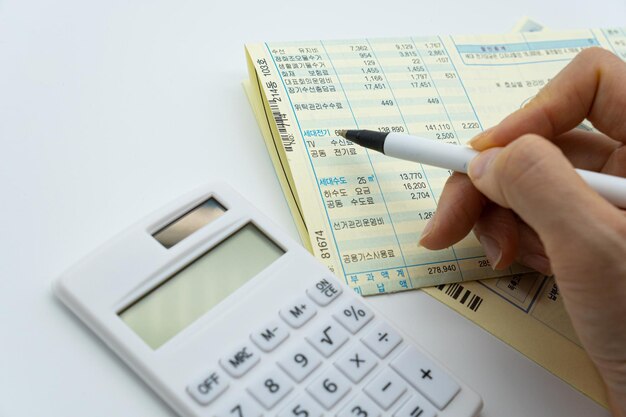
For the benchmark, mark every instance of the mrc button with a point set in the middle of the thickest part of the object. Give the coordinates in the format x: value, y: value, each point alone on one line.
x: 240, y: 360
x: 324, y: 291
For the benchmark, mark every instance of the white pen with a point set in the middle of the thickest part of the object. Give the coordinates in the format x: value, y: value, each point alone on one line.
x: 457, y: 158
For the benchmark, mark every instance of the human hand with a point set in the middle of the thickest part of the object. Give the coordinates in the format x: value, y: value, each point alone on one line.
x: 525, y: 203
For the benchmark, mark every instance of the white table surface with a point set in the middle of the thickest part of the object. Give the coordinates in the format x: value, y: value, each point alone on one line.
x: 110, y: 109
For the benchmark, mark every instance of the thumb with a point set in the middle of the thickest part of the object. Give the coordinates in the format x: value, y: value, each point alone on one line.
x: 533, y: 178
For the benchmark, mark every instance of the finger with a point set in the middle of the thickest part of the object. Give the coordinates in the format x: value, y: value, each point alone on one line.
x: 531, y: 252
x: 616, y: 163
x: 497, y: 232
x: 591, y: 86
x: 532, y: 177
x: 587, y: 150
x: 460, y: 205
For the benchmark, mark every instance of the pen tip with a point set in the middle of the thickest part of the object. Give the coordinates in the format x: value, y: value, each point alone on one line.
x: 342, y: 133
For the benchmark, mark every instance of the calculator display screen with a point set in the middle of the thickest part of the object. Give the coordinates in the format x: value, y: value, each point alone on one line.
x: 182, y: 298
x: 188, y: 223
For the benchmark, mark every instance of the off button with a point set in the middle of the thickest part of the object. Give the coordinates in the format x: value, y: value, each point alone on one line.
x: 207, y: 388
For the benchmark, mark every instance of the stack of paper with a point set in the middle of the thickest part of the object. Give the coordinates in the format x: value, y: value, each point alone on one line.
x: 361, y: 213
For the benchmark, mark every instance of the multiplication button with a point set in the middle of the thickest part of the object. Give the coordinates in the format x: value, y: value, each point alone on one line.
x: 208, y: 387
x: 299, y: 312
x: 356, y: 363
x: 324, y: 291
x: 382, y: 339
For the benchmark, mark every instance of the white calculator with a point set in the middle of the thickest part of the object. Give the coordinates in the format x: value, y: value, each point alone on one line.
x: 223, y: 314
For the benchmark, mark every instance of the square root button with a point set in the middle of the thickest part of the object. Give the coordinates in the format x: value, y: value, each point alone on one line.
x: 426, y: 377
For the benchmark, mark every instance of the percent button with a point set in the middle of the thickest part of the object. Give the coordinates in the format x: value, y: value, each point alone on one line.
x: 353, y: 315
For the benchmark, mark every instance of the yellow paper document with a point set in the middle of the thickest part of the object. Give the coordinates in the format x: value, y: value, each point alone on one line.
x: 361, y: 213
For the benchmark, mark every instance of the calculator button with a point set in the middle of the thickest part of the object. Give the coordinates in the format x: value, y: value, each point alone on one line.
x: 241, y: 360
x: 208, y: 387
x: 329, y: 388
x: 299, y: 312
x: 382, y: 339
x: 360, y: 406
x: 324, y: 291
x: 416, y: 406
x: 270, y: 335
x: 353, y: 315
x: 270, y: 388
x: 328, y: 338
x: 300, y: 362
x: 304, y: 406
x: 425, y: 376
x: 243, y: 406
x: 386, y: 388
x: 356, y: 363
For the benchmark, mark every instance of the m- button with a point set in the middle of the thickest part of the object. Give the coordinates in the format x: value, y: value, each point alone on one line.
x: 270, y: 335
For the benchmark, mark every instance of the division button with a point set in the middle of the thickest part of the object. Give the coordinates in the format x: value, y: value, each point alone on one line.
x: 382, y: 339
x: 208, y: 387
x: 426, y: 377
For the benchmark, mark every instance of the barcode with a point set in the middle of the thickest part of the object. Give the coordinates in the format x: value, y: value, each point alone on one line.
x: 281, y: 123
x: 469, y: 300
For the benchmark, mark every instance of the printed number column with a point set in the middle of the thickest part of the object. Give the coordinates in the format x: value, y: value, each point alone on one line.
x: 371, y: 103
x: 411, y: 187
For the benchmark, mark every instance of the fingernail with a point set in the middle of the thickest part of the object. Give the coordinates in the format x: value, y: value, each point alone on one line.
x: 539, y: 263
x: 478, y: 166
x: 492, y: 250
x: 427, y: 229
x: 480, y: 138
